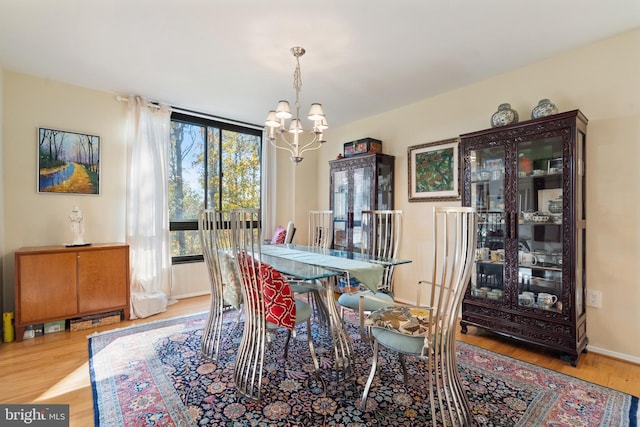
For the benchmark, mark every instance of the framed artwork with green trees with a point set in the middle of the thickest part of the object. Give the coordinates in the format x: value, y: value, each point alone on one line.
x: 434, y: 171
x: 68, y: 162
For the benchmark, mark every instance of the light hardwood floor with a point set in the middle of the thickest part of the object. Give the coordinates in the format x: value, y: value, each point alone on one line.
x: 54, y: 368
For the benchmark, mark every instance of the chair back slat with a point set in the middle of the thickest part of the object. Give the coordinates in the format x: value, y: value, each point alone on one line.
x: 381, y: 231
x: 321, y: 229
x: 454, y: 234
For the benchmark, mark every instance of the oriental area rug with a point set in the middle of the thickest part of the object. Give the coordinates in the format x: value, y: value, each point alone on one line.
x: 154, y: 375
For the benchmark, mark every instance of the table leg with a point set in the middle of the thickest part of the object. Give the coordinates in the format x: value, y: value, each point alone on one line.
x: 342, y: 348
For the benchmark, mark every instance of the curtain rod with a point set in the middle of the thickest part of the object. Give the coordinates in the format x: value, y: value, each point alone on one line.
x: 155, y: 104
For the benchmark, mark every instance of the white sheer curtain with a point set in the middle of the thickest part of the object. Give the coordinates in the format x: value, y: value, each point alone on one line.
x: 269, y: 181
x: 147, y: 206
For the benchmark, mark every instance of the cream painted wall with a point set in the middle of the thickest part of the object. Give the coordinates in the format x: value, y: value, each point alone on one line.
x: 602, y: 81
x: 298, y: 192
x: 34, y: 219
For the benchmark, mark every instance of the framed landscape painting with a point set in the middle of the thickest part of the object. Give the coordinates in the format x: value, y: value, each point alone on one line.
x: 68, y: 162
x: 434, y: 171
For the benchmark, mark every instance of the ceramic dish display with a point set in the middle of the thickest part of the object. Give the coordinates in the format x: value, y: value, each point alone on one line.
x: 479, y: 293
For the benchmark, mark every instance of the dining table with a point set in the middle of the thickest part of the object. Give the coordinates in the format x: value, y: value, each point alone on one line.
x: 328, y: 264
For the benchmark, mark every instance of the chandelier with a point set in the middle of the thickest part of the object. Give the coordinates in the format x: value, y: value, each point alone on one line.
x: 277, y: 130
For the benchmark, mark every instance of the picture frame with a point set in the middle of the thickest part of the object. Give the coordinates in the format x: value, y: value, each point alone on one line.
x: 68, y: 162
x: 434, y: 171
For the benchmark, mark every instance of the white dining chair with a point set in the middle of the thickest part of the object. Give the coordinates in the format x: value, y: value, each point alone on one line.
x: 321, y: 229
x: 427, y: 332
x: 381, y: 232
x: 268, y: 304
x: 320, y: 236
x: 224, y: 280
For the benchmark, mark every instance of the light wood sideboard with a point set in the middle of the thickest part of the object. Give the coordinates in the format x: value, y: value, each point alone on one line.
x: 58, y: 282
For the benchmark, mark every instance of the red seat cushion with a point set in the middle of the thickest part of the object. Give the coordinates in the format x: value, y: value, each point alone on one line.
x: 279, y: 303
x: 278, y: 298
x: 279, y: 235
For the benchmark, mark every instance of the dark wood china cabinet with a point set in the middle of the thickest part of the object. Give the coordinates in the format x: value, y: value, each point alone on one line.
x: 527, y: 181
x: 358, y: 183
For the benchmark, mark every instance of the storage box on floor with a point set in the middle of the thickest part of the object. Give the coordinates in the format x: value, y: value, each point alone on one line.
x: 78, y: 324
x: 33, y: 331
x: 88, y: 322
x: 57, y: 326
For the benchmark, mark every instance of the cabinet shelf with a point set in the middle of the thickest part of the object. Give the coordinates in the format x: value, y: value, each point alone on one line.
x: 534, y: 224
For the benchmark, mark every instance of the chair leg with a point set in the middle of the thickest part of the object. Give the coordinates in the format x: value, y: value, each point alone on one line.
x: 312, y: 349
x: 372, y: 374
x: 446, y: 388
x: 286, y: 344
x: 403, y: 364
x: 247, y: 371
x: 213, y: 329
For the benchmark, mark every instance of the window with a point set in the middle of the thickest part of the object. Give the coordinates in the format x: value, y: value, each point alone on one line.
x: 212, y: 164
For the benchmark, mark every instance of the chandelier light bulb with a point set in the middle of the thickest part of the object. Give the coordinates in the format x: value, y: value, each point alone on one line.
x: 296, y: 126
x: 321, y: 125
x: 316, y: 112
x: 283, y: 111
x: 272, y: 120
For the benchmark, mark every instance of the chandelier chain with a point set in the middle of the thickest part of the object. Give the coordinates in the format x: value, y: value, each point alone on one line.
x: 297, y: 85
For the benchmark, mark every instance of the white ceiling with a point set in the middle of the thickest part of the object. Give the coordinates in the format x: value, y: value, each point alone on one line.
x: 231, y: 58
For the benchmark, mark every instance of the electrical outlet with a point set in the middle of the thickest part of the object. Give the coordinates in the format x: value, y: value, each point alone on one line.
x: 594, y: 299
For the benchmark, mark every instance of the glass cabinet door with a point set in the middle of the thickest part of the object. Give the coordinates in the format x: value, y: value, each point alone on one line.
x: 539, y: 230
x: 487, y: 167
x: 340, y: 208
x: 362, y: 181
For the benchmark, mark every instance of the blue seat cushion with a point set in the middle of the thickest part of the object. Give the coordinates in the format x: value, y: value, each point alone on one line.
x: 300, y: 289
x: 397, y: 341
x: 303, y: 312
x: 352, y: 301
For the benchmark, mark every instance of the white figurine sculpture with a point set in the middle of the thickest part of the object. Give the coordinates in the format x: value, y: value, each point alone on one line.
x: 77, y: 227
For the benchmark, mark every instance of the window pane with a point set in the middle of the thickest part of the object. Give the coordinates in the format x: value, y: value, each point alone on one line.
x: 213, y: 168
x: 186, y: 171
x: 241, y: 166
x: 184, y: 243
x: 211, y: 165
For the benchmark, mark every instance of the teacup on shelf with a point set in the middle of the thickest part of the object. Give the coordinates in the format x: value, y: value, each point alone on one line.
x: 538, y: 217
x: 525, y: 299
x: 527, y: 258
x: 497, y: 255
x: 479, y: 293
x: 546, y: 299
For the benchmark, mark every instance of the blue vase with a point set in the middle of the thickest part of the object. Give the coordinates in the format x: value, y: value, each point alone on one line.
x: 504, y: 116
x: 543, y: 109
